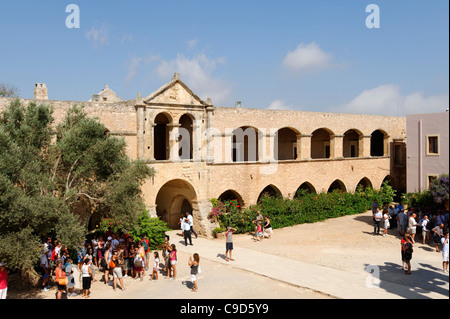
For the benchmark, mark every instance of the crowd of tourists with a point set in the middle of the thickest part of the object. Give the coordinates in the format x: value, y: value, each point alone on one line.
x: 117, y: 256
x: 414, y: 225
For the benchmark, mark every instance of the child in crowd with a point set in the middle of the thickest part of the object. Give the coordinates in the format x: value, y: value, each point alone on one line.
x: 155, y: 266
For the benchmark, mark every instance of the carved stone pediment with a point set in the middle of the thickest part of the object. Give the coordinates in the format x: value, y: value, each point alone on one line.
x: 175, y: 92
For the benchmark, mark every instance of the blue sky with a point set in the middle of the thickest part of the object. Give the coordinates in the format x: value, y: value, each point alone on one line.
x: 312, y: 55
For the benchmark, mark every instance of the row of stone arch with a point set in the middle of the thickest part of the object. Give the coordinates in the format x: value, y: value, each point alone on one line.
x: 247, y: 139
x: 272, y: 190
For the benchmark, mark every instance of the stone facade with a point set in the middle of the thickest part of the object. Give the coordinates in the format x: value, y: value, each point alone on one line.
x: 201, y: 151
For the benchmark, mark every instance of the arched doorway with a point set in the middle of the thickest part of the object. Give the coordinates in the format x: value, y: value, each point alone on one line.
x: 364, y: 183
x: 337, y: 184
x: 174, y: 198
x: 305, y: 187
x: 231, y: 195
x: 269, y: 190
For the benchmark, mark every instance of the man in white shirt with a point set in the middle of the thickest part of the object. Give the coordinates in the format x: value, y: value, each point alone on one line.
x: 412, y: 226
x: 377, y: 217
x: 186, y: 231
x: 191, y: 223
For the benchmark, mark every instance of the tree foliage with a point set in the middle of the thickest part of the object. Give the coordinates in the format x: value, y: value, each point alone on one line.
x: 54, y: 185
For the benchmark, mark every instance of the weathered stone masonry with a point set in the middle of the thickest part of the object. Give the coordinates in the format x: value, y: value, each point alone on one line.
x: 199, y: 152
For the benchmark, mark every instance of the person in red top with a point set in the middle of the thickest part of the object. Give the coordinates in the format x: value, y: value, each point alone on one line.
x: 3, y: 280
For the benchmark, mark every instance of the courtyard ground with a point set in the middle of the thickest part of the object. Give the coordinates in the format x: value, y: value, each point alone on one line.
x: 336, y: 258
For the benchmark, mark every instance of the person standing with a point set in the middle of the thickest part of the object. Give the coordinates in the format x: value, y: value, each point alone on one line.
x: 407, y: 250
x: 3, y: 280
x: 155, y: 265
x: 191, y: 223
x: 259, y: 219
x: 412, y: 226
x: 386, y: 225
x: 166, y: 253
x: 117, y: 270
x: 377, y: 217
x: 438, y: 232
x: 229, y: 243
x: 194, y: 264
x: 45, y: 270
x: 86, y: 277
x: 61, y: 278
x: 374, y: 206
x: 267, y: 227
x: 139, y: 261
x: 173, y: 261
x: 425, y: 231
x: 145, y: 245
x: 402, y: 220
x: 444, y: 241
x: 186, y: 231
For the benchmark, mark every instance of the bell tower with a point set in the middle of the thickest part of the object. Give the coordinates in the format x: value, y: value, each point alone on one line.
x: 40, y: 91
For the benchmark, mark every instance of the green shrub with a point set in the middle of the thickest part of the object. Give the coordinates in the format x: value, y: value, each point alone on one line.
x: 304, y: 208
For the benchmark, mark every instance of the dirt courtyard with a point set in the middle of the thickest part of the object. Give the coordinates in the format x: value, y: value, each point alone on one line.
x: 345, y: 243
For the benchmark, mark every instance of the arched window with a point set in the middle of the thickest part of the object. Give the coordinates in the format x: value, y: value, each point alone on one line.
x: 285, y: 144
x: 245, y: 144
x: 377, y: 143
x: 320, y: 143
x: 351, y: 143
x: 161, y: 137
x: 186, y: 136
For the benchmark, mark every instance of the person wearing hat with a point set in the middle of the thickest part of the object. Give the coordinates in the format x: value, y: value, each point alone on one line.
x: 3, y: 280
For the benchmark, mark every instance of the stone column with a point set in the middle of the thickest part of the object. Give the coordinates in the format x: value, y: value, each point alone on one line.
x: 196, y: 140
x: 338, y: 150
x: 305, y: 150
x: 140, y: 119
x: 299, y: 146
x: 173, y: 142
x: 208, y: 130
x: 149, y: 136
x: 228, y: 147
x: 366, y: 146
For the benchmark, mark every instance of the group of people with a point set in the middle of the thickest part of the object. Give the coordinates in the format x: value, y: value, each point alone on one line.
x: 410, y: 223
x: 262, y: 227
x: 118, y: 256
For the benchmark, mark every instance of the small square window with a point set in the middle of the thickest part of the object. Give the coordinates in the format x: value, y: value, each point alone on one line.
x: 430, y: 179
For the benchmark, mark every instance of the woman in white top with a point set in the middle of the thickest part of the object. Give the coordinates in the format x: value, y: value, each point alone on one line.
x: 386, y: 218
x: 86, y: 275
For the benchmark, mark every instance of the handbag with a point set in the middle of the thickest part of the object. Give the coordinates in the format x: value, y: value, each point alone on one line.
x: 62, y: 281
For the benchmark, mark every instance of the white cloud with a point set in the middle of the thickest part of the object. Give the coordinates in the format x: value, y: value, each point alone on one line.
x: 307, y: 57
x: 279, y: 105
x: 99, y: 34
x: 192, y: 43
x: 389, y: 101
x: 134, y: 64
x: 197, y: 73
